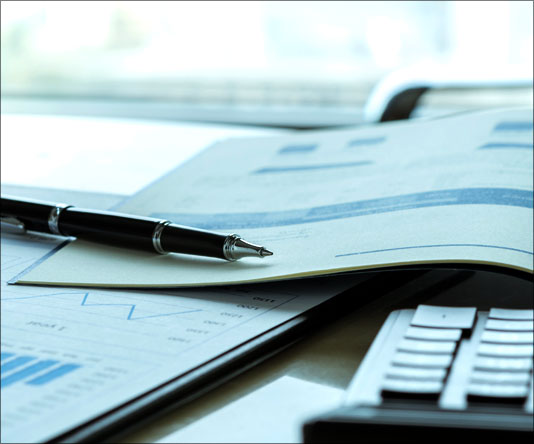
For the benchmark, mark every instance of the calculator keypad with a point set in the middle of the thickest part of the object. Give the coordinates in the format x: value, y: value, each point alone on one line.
x: 429, y: 375
x: 496, y: 363
x: 503, y: 366
x: 427, y: 348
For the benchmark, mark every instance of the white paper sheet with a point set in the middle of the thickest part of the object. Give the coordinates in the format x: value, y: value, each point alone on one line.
x: 456, y: 189
x: 108, y: 155
x: 68, y: 355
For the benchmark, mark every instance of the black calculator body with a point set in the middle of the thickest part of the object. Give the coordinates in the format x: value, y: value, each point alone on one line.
x: 437, y: 374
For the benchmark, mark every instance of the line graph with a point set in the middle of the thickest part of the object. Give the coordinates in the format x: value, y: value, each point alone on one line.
x: 129, y: 316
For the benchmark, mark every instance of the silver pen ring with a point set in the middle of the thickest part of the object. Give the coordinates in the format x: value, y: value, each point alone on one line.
x: 156, y: 236
x: 53, y: 218
x: 229, y: 245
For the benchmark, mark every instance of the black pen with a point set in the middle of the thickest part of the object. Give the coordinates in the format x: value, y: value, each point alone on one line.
x: 124, y: 230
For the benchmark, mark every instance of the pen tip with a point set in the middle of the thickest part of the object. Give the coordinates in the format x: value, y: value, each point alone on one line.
x: 264, y: 252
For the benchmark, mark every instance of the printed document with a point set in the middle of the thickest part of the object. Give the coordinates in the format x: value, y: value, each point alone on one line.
x: 450, y: 190
x: 70, y: 355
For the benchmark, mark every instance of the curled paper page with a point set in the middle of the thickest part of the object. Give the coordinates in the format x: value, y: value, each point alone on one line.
x: 451, y: 190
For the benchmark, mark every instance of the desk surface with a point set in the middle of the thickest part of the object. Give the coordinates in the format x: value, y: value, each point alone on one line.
x: 329, y: 357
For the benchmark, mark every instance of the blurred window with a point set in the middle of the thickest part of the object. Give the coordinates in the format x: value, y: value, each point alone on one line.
x: 277, y: 51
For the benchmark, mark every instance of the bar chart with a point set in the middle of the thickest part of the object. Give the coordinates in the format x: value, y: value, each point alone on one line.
x: 31, y: 370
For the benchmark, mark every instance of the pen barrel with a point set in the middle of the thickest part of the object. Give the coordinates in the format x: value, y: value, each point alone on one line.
x: 187, y: 240
x: 137, y: 232
x: 109, y: 228
x: 34, y: 215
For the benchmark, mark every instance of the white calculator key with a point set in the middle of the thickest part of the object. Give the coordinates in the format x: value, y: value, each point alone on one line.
x: 434, y: 347
x: 506, y: 313
x: 444, y: 317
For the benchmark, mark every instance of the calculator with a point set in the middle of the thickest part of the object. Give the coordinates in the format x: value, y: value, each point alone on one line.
x: 439, y: 373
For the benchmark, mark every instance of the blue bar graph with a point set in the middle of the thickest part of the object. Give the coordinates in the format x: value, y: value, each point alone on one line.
x: 25, y: 372
x: 23, y: 367
x: 290, y: 149
x: 53, y: 374
x: 366, y: 142
x: 514, y: 126
x: 326, y: 166
x: 506, y: 145
x: 14, y: 363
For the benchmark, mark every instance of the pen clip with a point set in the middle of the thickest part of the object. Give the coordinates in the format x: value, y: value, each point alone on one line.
x: 12, y: 225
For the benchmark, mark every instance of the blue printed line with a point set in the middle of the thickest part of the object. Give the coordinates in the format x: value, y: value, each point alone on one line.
x: 53, y: 374
x: 9, y: 258
x: 42, y: 296
x: 434, y: 246
x: 462, y: 196
x: 15, y: 263
x: 365, y: 142
x: 132, y: 309
x: 5, y: 355
x: 327, y: 166
x: 514, y: 126
x: 25, y: 372
x: 67, y: 293
x: 506, y: 146
x: 84, y: 303
x: 290, y: 149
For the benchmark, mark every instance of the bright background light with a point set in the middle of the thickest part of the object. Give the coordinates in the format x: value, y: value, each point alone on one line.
x: 72, y: 44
